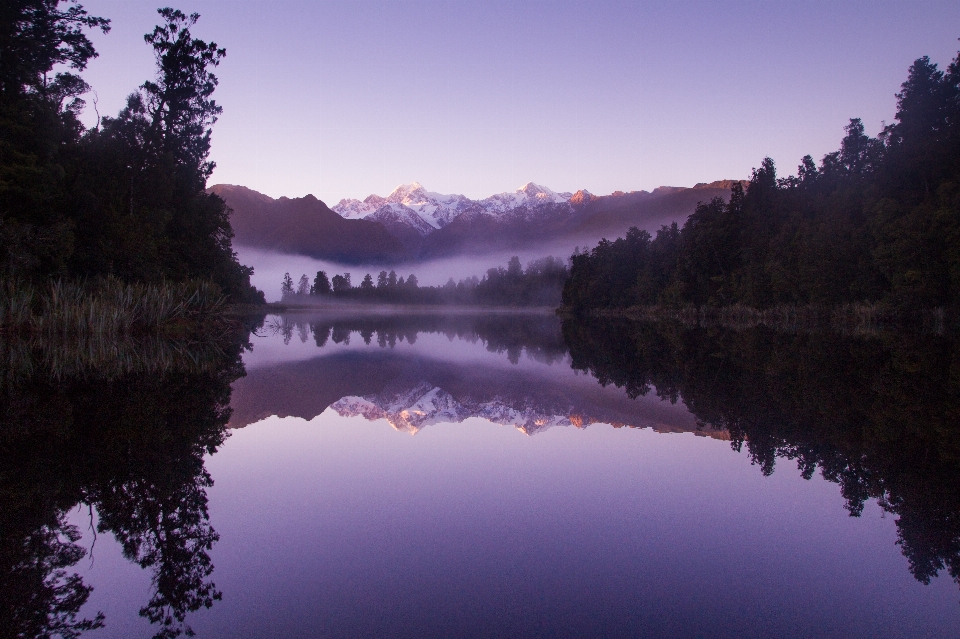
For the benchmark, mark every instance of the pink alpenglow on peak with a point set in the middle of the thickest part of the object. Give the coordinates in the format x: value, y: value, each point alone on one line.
x: 438, y: 210
x: 435, y: 209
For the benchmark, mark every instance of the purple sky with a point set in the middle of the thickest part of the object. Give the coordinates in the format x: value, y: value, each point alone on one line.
x: 344, y: 99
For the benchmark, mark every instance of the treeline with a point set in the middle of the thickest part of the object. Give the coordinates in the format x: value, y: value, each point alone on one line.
x: 537, y: 335
x: 125, y: 198
x: 540, y: 284
x: 877, y: 222
x: 878, y: 416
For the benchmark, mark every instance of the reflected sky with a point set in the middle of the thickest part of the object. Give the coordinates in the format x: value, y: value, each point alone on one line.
x: 337, y: 525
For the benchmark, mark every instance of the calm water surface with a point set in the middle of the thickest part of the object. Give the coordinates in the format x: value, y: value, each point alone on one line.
x: 469, y: 477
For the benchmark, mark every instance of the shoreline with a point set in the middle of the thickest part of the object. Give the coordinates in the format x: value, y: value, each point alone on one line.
x: 387, y: 309
x: 855, y: 319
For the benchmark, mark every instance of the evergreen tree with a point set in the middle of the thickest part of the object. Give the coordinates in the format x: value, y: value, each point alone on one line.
x: 321, y: 285
x: 367, y: 284
x: 877, y: 222
x: 341, y: 283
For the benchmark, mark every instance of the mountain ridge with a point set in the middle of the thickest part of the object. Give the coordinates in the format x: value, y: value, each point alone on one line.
x: 413, y: 224
x: 305, y: 226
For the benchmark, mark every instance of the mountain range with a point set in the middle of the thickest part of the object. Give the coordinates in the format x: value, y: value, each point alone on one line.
x: 412, y: 224
x: 413, y: 393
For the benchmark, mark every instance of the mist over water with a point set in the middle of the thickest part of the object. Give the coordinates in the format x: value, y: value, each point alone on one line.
x: 270, y: 266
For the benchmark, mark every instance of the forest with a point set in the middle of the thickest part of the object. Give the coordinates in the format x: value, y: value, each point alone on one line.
x: 540, y: 284
x: 125, y: 198
x: 876, y: 222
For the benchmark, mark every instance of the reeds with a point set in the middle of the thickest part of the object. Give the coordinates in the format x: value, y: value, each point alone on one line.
x: 102, y: 356
x: 108, y: 308
x: 107, y: 328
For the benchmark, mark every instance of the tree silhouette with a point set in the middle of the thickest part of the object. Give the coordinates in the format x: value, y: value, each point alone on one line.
x: 876, y: 222
x: 321, y: 285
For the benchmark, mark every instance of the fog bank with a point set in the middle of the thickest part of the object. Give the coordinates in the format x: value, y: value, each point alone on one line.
x: 269, y: 266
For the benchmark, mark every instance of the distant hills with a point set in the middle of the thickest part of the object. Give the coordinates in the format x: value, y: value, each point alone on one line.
x: 412, y: 224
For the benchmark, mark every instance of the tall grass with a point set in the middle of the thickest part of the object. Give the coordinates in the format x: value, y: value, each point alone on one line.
x: 107, y: 307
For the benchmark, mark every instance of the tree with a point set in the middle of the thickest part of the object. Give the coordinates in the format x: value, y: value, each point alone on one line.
x: 39, y: 130
x: 321, y: 285
x: 382, y: 280
x: 341, y: 283
x: 303, y: 286
x: 179, y: 102
x: 286, y: 288
x: 141, y: 209
x: 514, y: 270
x: 367, y: 284
x: 35, y: 37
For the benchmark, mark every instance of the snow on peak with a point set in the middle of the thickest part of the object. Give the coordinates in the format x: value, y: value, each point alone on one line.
x: 531, y: 189
x: 437, y: 209
x: 411, y: 410
x: 407, y: 193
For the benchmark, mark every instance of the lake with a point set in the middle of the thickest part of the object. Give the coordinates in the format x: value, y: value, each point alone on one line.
x: 486, y: 475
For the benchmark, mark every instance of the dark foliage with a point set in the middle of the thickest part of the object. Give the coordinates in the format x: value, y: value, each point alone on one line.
x: 125, y: 198
x: 130, y: 446
x: 878, y: 221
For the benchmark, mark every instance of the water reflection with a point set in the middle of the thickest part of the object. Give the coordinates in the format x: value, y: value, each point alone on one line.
x: 121, y: 429
x: 528, y: 384
x: 513, y: 334
x: 879, y: 416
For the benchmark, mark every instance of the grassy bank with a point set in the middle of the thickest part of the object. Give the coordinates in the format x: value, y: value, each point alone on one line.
x: 850, y: 319
x: 110, y: 308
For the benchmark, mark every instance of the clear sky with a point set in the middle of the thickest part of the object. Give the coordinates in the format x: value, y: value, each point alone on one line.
x: 344, y: 99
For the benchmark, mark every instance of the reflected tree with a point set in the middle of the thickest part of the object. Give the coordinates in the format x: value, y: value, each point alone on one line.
x: 879, y: 416
x: 130, y: 446
x: 39, y: 597
x: 536, y: 335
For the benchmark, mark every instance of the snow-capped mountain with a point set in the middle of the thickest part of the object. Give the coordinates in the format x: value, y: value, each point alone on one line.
x: 415, y: 225
x: 530, y: 195
x: 411, y: 410
x: 436, y: 210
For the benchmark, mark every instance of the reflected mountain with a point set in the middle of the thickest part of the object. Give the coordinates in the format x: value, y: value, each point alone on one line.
x: 879, y: 416
x: 528, y: 385
x: 121, y: 432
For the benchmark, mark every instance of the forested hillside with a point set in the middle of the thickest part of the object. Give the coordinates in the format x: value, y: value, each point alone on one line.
x: 877, y: 221
x: 126, y: 197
